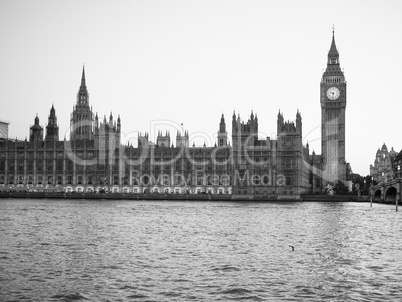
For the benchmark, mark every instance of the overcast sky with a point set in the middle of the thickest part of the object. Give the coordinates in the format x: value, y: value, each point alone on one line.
x: 174, y: 62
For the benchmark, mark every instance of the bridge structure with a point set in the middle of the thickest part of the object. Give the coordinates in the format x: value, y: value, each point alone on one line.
x: 389, y: 192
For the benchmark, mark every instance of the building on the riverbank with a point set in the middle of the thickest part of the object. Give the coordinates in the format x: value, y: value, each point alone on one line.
x: 382, y: 169
x: 93, y: 158
x: 397, y: 165
x: 387, y: 175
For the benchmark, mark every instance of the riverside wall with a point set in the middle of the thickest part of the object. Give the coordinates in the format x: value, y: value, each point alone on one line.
x: 185, y: 197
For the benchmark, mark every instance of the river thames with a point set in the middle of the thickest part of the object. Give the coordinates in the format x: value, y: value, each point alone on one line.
x: 82, y: 250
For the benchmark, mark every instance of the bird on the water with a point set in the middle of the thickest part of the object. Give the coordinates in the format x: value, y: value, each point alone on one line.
x: 293, y: 248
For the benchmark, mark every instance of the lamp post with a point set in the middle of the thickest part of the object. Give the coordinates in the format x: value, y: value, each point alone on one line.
x: 371, y: 191
x: 397, y: 195
x: 364, y: 186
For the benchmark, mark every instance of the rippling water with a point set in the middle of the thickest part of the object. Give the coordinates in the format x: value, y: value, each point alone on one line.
x: 72, y: 250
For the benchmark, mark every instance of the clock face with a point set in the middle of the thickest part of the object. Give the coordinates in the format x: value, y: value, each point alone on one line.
x: 333, y: 93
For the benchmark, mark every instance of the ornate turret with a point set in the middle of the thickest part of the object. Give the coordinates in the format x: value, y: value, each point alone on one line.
x: 222, y: 134
x: 222, y: 125
x: 96, y: 126
x: 234, y: 122
x: 243, y: 133
x: 143, y: 140
x: 299, y: 122
x: 163, y: 140
x: 36, y: 131
x: 279, y: 123
x: 52, y: 130
x: 108, y: 129
x: 182, y: 140
x: 289, y: 127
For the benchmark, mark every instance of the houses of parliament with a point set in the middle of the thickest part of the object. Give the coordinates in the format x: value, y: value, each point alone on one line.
x: 94, y: 160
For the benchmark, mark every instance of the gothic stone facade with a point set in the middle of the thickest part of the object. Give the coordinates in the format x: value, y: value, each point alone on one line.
x: 93, y: 159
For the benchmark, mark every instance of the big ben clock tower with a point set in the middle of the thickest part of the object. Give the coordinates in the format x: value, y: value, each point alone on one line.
x: 333, y: 105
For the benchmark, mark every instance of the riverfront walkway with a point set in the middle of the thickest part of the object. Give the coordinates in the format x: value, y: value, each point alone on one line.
x: 183, y: 197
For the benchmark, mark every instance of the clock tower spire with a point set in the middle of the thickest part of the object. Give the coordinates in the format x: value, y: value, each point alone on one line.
x: 333, y: 106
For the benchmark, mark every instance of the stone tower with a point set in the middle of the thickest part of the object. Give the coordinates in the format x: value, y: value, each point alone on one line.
x: 290, y: 151
x: 52, y: 130
x: 222, y: 134
x: 244, y: 138
x: 333, y: 106
x: 36, y: 131
x: 182, y: 140
x: 244, y: 134
x: 163, y: 140
x: 81, y: 125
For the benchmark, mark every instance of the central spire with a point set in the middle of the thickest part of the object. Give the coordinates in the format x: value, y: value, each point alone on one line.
x: 82, y: 96
x: 81, y: 122
x: 83, y: 77
x: 52, y: 112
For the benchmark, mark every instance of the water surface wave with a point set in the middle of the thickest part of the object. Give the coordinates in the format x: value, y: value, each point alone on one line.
x: 82, y: 250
